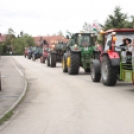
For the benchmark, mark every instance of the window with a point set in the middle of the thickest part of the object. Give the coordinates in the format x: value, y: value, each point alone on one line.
x: 108, y: 43
x: 83, y: 40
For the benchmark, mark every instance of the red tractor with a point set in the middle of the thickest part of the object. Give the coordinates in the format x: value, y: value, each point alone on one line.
x: 114, y: 62
x: 45, y: 53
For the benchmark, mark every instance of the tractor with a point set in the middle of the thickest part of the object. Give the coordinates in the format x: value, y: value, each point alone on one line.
x: 56, y: 53
x: 80, y: 50
x: 46, y: 49
x: 114, y: 62
x: 28, y: 51
x: 37, y: 53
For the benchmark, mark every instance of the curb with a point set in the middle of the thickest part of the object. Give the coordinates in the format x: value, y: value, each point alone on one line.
x: 16, y: 102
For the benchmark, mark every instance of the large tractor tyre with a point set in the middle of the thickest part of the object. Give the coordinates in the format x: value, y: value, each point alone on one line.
x: 52, y: 60
x: 108, y: 72
x: 73, y: 63
x: 95, y: 71
x: 33, y: 57
x: 64, y: 63
x: 29, y: 56
x: 87, y: 70
x: 48, y: 60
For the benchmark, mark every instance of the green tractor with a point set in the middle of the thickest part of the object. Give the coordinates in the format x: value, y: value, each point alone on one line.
x: 56, y: 52
x: 80, y: 51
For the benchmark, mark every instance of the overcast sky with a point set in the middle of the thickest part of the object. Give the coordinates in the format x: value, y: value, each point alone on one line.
x: 42, y: 17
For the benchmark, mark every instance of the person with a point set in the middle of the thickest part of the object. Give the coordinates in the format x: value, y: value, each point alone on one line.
x: 123, y: 41
x: 123, y: 46
x: 130, y: 48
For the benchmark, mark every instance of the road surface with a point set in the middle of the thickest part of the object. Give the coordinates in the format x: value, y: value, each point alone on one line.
x: 57, y: 103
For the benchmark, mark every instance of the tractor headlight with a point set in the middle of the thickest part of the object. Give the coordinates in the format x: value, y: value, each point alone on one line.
x: 76, y: 47
x: 52, y: 47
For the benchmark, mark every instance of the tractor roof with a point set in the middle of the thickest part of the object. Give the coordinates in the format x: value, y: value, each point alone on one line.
x: 120, y: 30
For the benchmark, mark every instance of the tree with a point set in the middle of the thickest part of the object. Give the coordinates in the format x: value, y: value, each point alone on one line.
x: 9, y: 40
x: 60, y: 33
x: 132, y: 18
x: 117, y: 20
x: 19, y: 44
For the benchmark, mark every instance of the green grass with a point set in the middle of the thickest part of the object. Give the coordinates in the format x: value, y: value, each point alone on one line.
x: 6, y: 117
x: 10, y: 113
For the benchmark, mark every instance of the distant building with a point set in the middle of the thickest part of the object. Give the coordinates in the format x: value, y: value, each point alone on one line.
x: 2, y: 38
x: 40, y: 40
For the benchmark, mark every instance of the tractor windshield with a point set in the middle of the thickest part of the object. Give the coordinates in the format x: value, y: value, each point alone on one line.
x: 83, y: 40
x: 120, y: 37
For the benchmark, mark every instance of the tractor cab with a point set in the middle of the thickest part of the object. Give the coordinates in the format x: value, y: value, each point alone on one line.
x: 82, y: 39
x: 120, y: 36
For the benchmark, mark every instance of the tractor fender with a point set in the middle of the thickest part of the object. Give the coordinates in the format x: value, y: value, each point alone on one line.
x: 96, y: 64
x: 113, y: 57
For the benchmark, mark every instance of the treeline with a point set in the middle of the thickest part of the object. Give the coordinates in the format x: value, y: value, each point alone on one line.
x: 14, y: 44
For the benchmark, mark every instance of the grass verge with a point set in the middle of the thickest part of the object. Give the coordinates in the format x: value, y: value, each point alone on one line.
x: 6, y: 117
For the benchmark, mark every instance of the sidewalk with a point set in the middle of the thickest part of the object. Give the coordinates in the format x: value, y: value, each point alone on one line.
x: 13, y: 85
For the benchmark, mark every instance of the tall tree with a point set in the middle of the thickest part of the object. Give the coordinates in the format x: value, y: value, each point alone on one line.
x: 117, y: 20
x: 60, y: 33
x: 9, y: 39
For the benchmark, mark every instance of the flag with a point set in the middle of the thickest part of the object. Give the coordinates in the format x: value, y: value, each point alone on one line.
x: 96, y: 26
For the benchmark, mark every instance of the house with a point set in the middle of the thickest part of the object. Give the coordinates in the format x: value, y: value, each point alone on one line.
x: 48, y: 40
x: 2, y: 38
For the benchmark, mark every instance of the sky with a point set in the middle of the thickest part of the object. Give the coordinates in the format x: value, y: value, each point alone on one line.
x: 48, y: 17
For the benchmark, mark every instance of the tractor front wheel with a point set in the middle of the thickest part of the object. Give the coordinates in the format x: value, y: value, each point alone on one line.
x: 52, y: 60
x: 95, y: 71
x: 73, y: 63
x: 64, y: 63
x: 29, y: 55
x: 108, y: 72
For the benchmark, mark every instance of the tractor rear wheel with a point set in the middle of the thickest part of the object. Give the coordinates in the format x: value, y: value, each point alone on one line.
x: 73, y: 63
x: 95, y: 71
x: 108, y: 72
x: 64, y: 63
x: 52, y: 59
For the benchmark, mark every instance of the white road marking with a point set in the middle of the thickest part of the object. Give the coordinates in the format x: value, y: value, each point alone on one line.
x: 17, y: 68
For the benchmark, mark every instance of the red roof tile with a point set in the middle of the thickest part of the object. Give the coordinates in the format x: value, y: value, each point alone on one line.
x: 49, y: 39
x: 2, y: 38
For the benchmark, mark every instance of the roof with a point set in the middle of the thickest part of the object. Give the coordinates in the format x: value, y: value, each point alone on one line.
x: 2, y: 38
x: 49, y: 39
x: 120, y: 30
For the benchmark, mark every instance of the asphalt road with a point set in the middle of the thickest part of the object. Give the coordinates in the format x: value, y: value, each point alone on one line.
x: 57, y: 103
